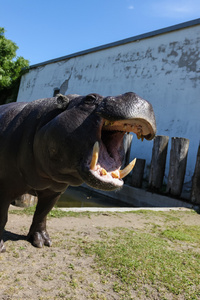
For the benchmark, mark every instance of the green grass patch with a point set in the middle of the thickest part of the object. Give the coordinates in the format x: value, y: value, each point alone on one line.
x: 24, y: 211
x: 57, y: 213
x: 139, y: 259
x: 183, y: 233
x: 54, y: 213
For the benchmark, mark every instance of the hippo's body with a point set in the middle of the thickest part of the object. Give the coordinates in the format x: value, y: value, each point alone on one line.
x: 48, y: 144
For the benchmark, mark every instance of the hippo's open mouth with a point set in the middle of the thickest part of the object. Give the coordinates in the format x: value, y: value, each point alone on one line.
x: 104, y: 163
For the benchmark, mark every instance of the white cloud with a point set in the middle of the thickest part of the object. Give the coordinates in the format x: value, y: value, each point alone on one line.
x: 131, y: 7
x: 176, y: 8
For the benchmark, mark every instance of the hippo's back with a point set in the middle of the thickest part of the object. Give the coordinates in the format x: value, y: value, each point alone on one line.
x: 8, y: 113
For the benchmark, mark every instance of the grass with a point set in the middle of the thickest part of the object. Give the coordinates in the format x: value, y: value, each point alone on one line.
x: 54, y: 213
x: 140, y: 260
x: 154, y: 262
x: 183, y: 233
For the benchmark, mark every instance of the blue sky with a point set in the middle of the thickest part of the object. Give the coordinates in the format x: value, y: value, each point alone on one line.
x: 47, y: 29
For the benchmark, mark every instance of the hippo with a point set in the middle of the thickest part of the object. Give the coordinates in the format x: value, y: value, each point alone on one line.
x: 48, y: 144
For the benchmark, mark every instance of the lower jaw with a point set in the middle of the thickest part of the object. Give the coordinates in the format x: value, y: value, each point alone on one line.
x: 102, y: 184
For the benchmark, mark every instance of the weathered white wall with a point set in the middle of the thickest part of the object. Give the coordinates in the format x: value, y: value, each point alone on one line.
x: 164, y: 69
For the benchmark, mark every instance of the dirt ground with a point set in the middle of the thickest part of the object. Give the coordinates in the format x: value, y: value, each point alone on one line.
x: 59, y: 272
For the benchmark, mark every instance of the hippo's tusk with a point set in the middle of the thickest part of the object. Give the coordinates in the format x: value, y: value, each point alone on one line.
x: 95, y: 156
x: 122, y: 173
x: 127, y: 169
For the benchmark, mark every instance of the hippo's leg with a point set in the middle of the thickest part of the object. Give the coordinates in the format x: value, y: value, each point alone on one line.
x: 38, y: 234
x: 3, y: 220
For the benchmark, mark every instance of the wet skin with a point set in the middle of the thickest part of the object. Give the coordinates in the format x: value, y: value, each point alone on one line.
x: 48, y: 144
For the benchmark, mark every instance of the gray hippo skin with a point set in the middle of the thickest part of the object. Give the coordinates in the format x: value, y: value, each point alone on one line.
x: 48, y: 144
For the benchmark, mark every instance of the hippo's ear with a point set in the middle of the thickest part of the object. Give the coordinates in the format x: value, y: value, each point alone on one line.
x: 92, y: 99
x: 62, y: 101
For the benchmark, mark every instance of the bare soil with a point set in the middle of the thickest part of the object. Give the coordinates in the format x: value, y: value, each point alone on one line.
x: 61, y: 272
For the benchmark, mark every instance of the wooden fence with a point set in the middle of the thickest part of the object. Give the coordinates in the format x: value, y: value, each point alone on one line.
x: 177, y: 168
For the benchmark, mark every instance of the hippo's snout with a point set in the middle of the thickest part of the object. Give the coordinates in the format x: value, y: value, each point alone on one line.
x: 127, y: 113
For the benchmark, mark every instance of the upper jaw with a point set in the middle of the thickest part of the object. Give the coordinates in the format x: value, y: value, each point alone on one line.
x: 132, y: 112
x: 141, y: 127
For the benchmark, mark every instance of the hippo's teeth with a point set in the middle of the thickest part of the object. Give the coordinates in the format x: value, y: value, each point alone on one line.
x: 95, y: 156
x: 124, y: 127
x: 108, y: 123
x: 103, y: 171
x: 140, y: 136
x: 115, y: 174
x: 127, y: 169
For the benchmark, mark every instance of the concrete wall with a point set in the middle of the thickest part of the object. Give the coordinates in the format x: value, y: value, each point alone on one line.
x: 162, y: 67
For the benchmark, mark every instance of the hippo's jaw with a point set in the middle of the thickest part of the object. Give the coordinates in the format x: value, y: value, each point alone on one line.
x: 102, y: 170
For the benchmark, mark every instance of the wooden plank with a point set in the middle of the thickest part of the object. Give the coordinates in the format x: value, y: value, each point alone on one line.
x: 195, y: 193
x: 177, y: 167
x: 138, y: 173
x: 158, y: 162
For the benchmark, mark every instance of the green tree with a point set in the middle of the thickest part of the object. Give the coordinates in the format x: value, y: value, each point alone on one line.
x: 11, y: 69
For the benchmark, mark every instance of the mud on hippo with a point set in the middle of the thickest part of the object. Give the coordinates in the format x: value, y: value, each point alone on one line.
x: 48, y: 144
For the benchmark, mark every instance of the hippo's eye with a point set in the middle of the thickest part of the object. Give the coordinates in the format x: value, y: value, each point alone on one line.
x: 91, y: 99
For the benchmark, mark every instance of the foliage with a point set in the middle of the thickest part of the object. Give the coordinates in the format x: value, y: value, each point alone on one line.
x: 10, y: 68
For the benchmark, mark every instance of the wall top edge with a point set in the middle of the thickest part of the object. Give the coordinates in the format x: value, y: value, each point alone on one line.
x: 122, y: 42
